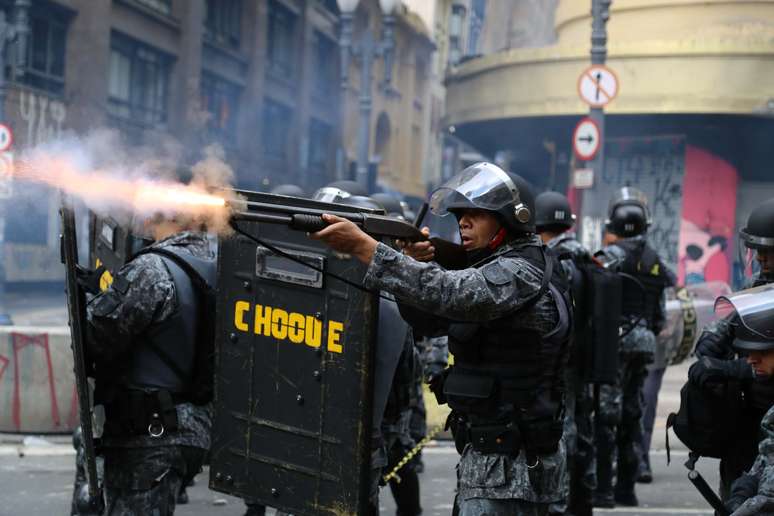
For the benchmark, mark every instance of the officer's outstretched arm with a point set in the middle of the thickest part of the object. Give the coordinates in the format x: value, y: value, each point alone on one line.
x: 474, y: 295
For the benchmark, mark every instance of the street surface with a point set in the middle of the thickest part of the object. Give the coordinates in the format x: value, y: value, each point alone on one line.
x: 39, y: 483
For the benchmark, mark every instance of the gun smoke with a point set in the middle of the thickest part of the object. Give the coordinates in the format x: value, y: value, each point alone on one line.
x: 132, y: 185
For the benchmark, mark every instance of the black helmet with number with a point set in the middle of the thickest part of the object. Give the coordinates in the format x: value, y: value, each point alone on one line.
x: 553, y: 212
x: 751, y: 311
x: 628, y: 214
x: 339, y: 190
x: 756, y: 238
x: 288, y: 190
x: 485, y: 186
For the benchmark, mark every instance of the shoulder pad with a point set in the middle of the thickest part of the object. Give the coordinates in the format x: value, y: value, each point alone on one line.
x: 497, y: 273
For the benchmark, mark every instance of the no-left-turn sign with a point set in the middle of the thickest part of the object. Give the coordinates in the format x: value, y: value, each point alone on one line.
x: 597, y: 86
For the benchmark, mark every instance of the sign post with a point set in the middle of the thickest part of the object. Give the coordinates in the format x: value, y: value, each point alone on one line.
x: 597, y: 87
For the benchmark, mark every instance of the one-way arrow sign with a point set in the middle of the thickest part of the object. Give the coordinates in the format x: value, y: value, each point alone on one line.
x: 586, y: 139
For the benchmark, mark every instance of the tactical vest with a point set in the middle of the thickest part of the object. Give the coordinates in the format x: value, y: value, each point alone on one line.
x: 501, y: 364
x: 641, y: 299
x: 166, y: 357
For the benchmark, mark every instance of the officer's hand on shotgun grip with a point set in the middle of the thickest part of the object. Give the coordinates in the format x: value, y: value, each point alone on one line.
x: 422, y: 251
x: 344, y: 236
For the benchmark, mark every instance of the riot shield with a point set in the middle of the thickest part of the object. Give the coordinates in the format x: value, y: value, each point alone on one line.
x: 76, y: 307
x: 293, y: 385
x: 688, y: 310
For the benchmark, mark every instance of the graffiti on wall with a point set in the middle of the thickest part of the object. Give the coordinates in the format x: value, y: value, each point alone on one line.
x: 708, y: 220
x: 35, y: 379
x: 44, y: 118
x: 656, y: 167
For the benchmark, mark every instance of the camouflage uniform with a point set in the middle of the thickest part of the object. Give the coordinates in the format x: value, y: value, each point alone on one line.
x: 579, y: 426
x: 143, y: 474
x: 753, y: 493
x: 487, y: 483
x: 618, y: 431
x: 716, y: 341
x: 435, y: 357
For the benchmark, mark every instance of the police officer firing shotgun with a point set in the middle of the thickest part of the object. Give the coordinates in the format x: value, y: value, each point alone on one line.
x: 507, y: 316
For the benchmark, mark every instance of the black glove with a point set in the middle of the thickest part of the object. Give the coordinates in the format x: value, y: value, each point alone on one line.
x: 743, y: 488
x: 712, y: 370
x: 89, y: 279
x: 715, y: 345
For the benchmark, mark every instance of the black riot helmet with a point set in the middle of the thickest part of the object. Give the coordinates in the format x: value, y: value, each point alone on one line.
x: 757, y: 238
x: 759, y: 232
x: 288, y: 190
x: 628, y: 214
x: 553, y: 213
x: 391, y: 204
x: 339, y: 190
x: 485, y: 186
x: 751, y: 311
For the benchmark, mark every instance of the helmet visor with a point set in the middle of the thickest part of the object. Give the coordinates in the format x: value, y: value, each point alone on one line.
x: 330, y: 194
x: 754, y: 308
x: 483, y: 185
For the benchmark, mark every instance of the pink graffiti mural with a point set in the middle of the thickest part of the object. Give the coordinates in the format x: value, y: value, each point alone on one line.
x: 708, y: 218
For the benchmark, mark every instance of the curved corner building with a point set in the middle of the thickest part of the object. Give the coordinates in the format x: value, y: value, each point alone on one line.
x: 692, y: 124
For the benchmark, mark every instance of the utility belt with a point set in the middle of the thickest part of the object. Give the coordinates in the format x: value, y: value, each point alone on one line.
x: 477, y: 418
x: 505, y: 437
x: 134, y: 412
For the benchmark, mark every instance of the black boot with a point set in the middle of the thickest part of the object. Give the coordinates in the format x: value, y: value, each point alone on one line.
x: 626, y: 497
x: 603, y: 494
x: 406, y: 494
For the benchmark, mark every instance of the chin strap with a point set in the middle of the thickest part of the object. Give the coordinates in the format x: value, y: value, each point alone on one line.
x: 498, y: 239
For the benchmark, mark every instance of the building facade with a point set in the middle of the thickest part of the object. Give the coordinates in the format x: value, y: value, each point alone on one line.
x: 259, y: 78
x: 689, y: 125
x: 401, y: 129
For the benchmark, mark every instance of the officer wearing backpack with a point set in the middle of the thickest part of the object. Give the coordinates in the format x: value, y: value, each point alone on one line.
x: 618, y: 423
x: 554, y: 220
x: 752, y: 316
x: 721, y: 358
x: 151, y: 338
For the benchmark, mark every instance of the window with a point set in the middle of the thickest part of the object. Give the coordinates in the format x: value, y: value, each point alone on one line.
x: 331, y: 6
x: 325, y: 78
x: 162, y: 6
x: 138, y: 81
x: 281, y: 43
x: 223, y: 22
x: 276, y: 128
x: 220, y: 99
x: 45, y: 60
x: 319, y: 146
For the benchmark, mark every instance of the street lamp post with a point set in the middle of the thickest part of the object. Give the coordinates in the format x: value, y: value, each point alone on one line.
x: 366, y: 50
x: 14, y: 31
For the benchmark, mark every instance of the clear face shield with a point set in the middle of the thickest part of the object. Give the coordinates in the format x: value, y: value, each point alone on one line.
x: 753, y: 309
x: 330, y: 194
x: 483, y: 186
